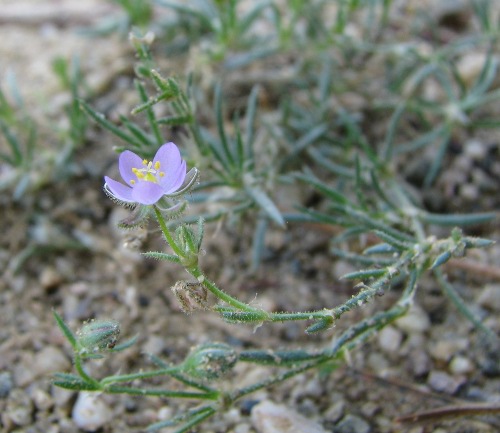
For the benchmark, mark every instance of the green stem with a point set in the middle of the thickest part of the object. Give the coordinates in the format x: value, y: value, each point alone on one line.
x: 274, y: 380
x: 459, y: 303
x: 223, y: 296
x: 83, y: 374
x: 166, y: 233
x: 133, y: 376
x: 162, y: 393
x: 287, y: 316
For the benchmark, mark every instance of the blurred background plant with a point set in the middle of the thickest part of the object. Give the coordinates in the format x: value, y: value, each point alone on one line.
x: 296, y: 114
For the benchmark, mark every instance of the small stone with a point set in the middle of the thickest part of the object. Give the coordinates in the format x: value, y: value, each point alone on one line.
x: 164, y: 413
x: 369, y: 409
x: 61, y: 396
x: 470, y: 65
x: 19, y: 410
x: 489, y: 297
x: 268, y: 417
x: 5, y: 383
x: 90, y: 412
x: 352, y: 424
x: 416, y: 320
x: 419, y: 363
x: 241, y: 428
x: 50, y: 360
x: 461, y: 365
x: 377, y: 362
x: 443, y: 382
x: 476, y: 150
x: 469, y: 191
x: 490, y: 362
x: 389, y: 339
x: 43, y: 401
x: 335, y: 411
x: 444, y: 350
x: 50, y: 279
x: 154, y: 345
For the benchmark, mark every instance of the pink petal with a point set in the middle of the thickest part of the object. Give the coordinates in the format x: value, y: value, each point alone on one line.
x: 147, y: 192
x: 170, y: 160
x: 178, y: 180
x: 126, y: 162
x: 118, y: 190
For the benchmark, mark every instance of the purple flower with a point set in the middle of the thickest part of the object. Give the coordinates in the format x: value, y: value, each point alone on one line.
x: 148, y: 181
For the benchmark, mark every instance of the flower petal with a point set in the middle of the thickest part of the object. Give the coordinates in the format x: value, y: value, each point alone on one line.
x: 170, y: 160
x: 147, y: 192
x: 118, y: 190
x: 127, y: 161
x: 177, y: 181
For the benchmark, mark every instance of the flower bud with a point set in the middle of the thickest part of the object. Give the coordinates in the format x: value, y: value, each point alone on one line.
x: 98, y: 335
x: 210, y: 361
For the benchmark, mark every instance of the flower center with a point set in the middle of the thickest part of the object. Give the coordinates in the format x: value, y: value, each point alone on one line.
x: 149, y: 173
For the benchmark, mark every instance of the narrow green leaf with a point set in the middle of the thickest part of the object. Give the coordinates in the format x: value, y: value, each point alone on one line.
x: 266, y: 204
x: 277, y: 357
x: 162, y: 256
x: 220, y: 126
x: 101, y: 120
x: 149, y: 112
x: 457, y: 219
x: 174, y: 120
x: 125, y: 345
x: 242, y: 316
x: 250, y: 126
x: 364, y: 274
x: 66, y: 331
x: 471, y: 242
x: 396, y: 242
x: 327, y: 191
x: 380, y: 249
x: 75, y: 385
x: 441, y: 259
x: 320, y: 325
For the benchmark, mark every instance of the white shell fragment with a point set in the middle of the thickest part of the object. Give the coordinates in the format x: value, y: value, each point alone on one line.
x: 268, y: 417
x: 90, y: 412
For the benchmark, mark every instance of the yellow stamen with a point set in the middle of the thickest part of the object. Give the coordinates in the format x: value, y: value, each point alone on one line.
x: 162, y: 173
x: 149, y: 173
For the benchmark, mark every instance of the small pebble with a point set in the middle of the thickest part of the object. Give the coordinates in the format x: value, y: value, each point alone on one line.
x: 90, y: 413
x: 443, y: 350
x: 50, y: 279
x: 461, y: 365
x: 352, y: 424
x: 419, y: 363
x: 416, y: 320
x: 489, y: 297
x: 241, y: 428
x: 369, y: 409
x: 5, y: 383
x: 476, y: 150
x: 469, y: 191
x: 165, y: 413
x: 43, y: 400
x: 19, y: 410
x: 268, y: 417
x: 335, y: 411
x: 443, y: 382
x: 49, y: 360
x: 389, y: 339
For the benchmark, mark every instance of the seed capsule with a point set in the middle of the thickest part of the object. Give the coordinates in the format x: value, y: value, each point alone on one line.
x: 99, y: 335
